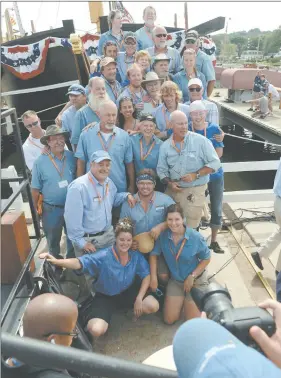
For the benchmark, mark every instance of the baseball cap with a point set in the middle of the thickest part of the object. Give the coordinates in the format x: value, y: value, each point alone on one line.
x: 192, y: 36
x: 76, y: 89
x: 204, y: 349
x: 107, y: 60
x: 99, y: 156
x: 197, y: 105
x: 195, y: 81
x: 147, y: 117
x: 130, y: 35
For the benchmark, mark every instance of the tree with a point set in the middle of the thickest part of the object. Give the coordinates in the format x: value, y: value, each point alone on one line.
x: 272, y: 42
x: 240, y: 42
x: 229, y: 50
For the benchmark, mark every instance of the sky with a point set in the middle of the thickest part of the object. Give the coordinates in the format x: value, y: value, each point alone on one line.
x: 240, y: 15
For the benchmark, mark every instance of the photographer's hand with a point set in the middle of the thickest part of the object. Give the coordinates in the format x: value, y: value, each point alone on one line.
x: 271, y: 346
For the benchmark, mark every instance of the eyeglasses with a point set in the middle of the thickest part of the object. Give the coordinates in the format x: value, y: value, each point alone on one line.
x: 72, y: 334
x: 161, y: 35
x: 130, y: 43
x: 190, y: 41
x: 194, y: 89
x: 32, y: 124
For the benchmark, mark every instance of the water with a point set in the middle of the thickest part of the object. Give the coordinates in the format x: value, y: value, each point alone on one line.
x: 238, y: 150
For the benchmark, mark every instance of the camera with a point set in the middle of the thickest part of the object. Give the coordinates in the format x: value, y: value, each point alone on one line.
x: 215, y: 300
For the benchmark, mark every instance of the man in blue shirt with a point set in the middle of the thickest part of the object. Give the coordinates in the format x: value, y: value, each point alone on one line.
x: 159, y: 35
x: 127, y: 58
x: 203, y: 62
x: 78, y: 98
x: 88, y: 208
x: 89, y: 112
x: 108, y: 73
x: 51, y: 175
x: 108, y: 137
x: 161, y: 67
x: 144, y: 34
x: 275, y: 239
x: 185, y: 163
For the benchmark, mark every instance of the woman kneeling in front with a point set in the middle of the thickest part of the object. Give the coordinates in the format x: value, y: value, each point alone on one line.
x: 187, y: 255
x: 121, y: 279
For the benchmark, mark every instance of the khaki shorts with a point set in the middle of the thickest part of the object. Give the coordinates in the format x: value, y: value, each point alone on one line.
x: 175, y: 288
x: 162, y: 267
x: 192, y: 201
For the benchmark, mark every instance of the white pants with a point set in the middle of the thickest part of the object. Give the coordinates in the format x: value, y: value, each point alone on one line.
x: 275, y: 239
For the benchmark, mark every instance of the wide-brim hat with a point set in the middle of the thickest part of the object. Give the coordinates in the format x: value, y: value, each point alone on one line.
x: 51, y: 131
x: 151, y: 76
x: 145, y: 241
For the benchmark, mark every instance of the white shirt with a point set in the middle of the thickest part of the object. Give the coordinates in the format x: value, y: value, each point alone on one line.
x: 273, y: 91
x: 32, y: 149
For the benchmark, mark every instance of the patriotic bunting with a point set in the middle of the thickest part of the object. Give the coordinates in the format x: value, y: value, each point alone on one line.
x: 90, y: 43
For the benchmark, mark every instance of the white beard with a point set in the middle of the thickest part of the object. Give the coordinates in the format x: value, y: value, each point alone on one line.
x: 109, y: 127
x: 161, y: 45
x: 96, y: 102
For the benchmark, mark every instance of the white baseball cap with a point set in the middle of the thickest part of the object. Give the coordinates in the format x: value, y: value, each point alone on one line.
x: 197, y: 105
x: 195, y: 81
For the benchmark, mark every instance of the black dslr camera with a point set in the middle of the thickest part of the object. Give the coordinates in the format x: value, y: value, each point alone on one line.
x: 216, y: 302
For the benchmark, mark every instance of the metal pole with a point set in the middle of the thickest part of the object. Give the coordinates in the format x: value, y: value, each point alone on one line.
x: 59, y: 357
x: 17, y: 12
x: 185, y: 16
x: 175, y: 21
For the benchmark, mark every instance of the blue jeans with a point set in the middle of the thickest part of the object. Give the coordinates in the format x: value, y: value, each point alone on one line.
x: 216, y: 196
x: 53, y: 223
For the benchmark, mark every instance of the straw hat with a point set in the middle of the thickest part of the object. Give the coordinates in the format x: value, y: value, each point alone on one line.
x: 151, y: 76
x: 146, y: 242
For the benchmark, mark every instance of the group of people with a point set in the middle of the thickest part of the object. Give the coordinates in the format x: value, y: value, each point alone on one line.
x: 130, y: 161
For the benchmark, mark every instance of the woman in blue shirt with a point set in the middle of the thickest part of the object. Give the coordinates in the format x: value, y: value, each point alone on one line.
x: 145, y: 144
x: 198, y: 113
x: 187, y: 255
x: 121, y: 279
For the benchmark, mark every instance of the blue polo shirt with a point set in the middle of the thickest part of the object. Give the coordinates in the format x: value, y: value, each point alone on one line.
x: 119, y: 148
x: 107, y: 36
x: 83, y: 117
x: 175, y: 64
x: 144, y: 38
x: 124, y: 62
x: 68, y: 119
x: 46, y: 178
x: 277, y: 181
x: 112, y: 277
x: 152, y: 159
x: 182, y: 80
x: 112, y: 93
x: 137, y: 98
x: 84, y: 213
x: 156, y: 214
x: 210, y: 132
x: 204, y: 65
x: 194, y: 250
x: 159, y: 115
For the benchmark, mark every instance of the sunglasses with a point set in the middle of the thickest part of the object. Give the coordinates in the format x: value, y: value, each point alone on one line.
x: 161, y: 35
x: 72, y: 334
x: 194, y: 89
x: 32, y: 124
x: 131, y: 43
x: 190, y: 41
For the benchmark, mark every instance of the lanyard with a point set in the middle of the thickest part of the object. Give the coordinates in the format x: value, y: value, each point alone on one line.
x: 136, y: 100
x: 115, y: 254
x: 119, y: 44
x: 97, y: 193
x: 106, y: 145
x: 128, y: 64
x: 177, y: 255
x: 113, y: 88
x: 34, y: 144
x: 142, y: 156
x: 60, y: 172
x: 175, y: 147
x: 166, y: 119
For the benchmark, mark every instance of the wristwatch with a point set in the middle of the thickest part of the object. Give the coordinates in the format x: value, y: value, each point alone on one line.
x: 198, y: 175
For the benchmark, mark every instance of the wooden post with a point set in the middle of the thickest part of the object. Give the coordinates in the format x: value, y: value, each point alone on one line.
x: 185, y: 16
x: 175, y: 21
x: 32, y: 26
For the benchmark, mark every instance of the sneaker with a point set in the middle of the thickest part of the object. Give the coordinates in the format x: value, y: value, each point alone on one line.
x: 257, y: 260
x: 214, y: 246
x: 250, y: 110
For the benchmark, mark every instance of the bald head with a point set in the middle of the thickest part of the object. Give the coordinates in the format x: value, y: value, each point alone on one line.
x: 179, y: 123
x: 48, y: 314
x: 108, y: 116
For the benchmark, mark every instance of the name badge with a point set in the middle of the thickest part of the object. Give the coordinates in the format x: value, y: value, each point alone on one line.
x: 96, y: 199
x: 159, y: 208
x: 63, y: 184
x: 191, y: 154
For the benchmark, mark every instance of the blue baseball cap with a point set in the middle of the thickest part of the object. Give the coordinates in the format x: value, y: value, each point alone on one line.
x: 205, y: 349
x: 99, y: 156
x: 76, y: 89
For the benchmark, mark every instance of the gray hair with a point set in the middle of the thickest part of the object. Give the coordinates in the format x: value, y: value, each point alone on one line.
x: 157, y: 27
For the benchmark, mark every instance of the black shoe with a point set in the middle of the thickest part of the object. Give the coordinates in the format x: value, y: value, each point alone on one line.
x: 214, y: 246
x: 276, y: 273
x: 250, y: 110
x: 257, y: 260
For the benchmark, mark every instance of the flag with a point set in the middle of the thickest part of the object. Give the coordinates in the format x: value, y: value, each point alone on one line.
x: 90, y: 44
x: 126, y: 17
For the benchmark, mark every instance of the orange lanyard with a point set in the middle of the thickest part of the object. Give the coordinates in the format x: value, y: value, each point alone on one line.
x: 205, y: 132
x: 175, y: 147
x: 136, y: 99
x: 177, y: 255
x: 142, y: 156
x: 34, y: 144
x: 106, y: 145
x: 115, y: 254
x: 97, y: 193
x: 60, y: 172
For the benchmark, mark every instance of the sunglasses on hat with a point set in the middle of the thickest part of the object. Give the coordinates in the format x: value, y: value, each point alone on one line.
x: 194, y: 89
x: 161, y: 35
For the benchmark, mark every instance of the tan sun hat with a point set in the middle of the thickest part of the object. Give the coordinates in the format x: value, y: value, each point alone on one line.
x: 146, y: 242
x: 151, y: 76
x: 51, y: 131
